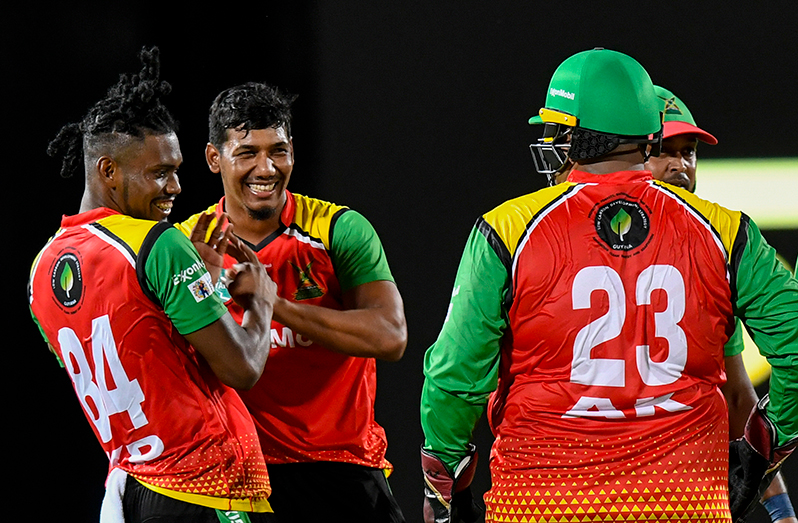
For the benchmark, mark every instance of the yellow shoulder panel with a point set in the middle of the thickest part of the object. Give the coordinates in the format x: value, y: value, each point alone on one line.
x: 314, y: 217
x: 725, y: 223
x: 187, y: 225
x: 132, y: 231
x: 511, y: 219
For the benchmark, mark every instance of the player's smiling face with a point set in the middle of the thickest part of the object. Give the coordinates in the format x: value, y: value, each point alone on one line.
x: 148, y: 183
x: 255, y: 166
x: 676, y: 164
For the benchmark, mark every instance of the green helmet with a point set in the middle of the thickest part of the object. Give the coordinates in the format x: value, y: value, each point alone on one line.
x: 604, y: 91
x: 596, y: 100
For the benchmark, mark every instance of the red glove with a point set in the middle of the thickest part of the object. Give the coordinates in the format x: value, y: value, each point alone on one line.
x: 447, y: 497
x: 754, y: 460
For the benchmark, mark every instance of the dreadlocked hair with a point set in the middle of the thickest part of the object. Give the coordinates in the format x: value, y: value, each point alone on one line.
x: 132, y: 107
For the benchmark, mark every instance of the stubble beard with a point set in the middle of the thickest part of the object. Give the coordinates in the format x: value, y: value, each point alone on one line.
x: 261, y: 215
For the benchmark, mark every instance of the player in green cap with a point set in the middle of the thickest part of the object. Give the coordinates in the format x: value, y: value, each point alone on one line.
x: 565, y: 324
x: 677, y: 165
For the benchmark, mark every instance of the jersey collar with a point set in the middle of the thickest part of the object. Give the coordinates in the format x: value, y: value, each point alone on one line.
x: 286, y: 219
x: 613, y: 178
x: 287, y: 216
x: 87, y: 217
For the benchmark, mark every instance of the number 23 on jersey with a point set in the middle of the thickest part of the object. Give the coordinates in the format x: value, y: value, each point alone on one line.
x: 611, y: 372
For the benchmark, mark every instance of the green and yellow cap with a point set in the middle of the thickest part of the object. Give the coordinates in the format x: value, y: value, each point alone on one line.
x: 678, y: 118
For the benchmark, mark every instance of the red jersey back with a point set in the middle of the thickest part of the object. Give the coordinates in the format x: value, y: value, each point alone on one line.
x: 621, y: 305
x: 157, y: 409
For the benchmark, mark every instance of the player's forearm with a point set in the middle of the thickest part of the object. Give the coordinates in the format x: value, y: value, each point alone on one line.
x: 767, y: 302
x: 448, y: 421
x: 369, y: 333
x: 739, y: 393
x: 256, y: 324
x: 236, y: 354
x: 777, y: 486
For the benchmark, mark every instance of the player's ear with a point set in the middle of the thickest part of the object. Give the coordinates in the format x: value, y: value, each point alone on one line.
x: 212, y: 156
x: 107, y: 171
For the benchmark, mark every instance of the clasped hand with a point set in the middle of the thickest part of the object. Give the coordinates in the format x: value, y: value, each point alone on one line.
x: 247, y: 280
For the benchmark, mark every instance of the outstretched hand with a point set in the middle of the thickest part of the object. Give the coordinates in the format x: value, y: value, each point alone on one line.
x: 211, y: 238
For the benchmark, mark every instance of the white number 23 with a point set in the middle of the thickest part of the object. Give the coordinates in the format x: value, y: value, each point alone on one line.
x: 611, y: 372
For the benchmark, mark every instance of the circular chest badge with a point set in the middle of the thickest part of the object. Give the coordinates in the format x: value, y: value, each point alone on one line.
x: 66, y: 280
x: 622, y: 224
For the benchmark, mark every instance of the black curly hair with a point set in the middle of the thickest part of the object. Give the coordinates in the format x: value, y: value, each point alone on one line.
x: 252, y: 105
x: 132, y: 107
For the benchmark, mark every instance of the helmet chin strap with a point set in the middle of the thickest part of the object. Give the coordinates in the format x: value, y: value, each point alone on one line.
x: 651, y: 147
x: 646, y: 150
x: 656, y: 146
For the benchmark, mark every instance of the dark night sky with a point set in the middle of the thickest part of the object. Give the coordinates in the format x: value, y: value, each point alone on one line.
x: 412, y: 113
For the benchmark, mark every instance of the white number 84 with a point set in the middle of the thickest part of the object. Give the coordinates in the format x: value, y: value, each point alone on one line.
x: 125, y: 398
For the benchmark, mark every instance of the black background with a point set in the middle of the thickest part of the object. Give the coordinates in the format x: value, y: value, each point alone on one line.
x: 413, y: 113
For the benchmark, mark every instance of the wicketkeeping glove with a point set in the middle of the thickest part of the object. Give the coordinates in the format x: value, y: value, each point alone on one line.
x: 447, y: 497
x: 754, y: 460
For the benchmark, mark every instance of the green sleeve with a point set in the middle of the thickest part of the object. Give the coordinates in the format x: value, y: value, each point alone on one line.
x: 736, y: 343
x: 177, y: 276
x: 356, y: 251
x: 767, y: 303
x: 461, y: 368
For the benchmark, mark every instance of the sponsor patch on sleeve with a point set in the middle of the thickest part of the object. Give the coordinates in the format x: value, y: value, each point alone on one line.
x: 201, y: 288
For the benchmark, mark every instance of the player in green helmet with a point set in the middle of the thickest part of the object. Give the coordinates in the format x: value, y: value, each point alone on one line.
x: 610, y: 113
x: 565, y: 325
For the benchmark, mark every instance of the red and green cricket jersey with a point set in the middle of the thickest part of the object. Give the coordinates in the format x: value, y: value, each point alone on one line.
x: 589, y: 319
x: 113, y: 296
x: 313, y: 404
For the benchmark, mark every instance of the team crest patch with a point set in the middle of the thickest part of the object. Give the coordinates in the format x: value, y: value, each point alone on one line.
x: 623, y: 225
x: 671, y: 107
x: 308, y: 288
x: 66, y: 279
x: 201, y: 288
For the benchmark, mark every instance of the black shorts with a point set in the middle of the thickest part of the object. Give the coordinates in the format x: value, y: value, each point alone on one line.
x: 327, y: 491
x: 142, y: 505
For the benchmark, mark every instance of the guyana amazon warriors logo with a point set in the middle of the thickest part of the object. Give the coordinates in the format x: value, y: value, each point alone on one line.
x: 622, y: 224
x: 307, y: 288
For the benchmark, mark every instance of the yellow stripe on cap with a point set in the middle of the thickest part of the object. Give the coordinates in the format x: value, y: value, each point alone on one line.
x: 551, y: 116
